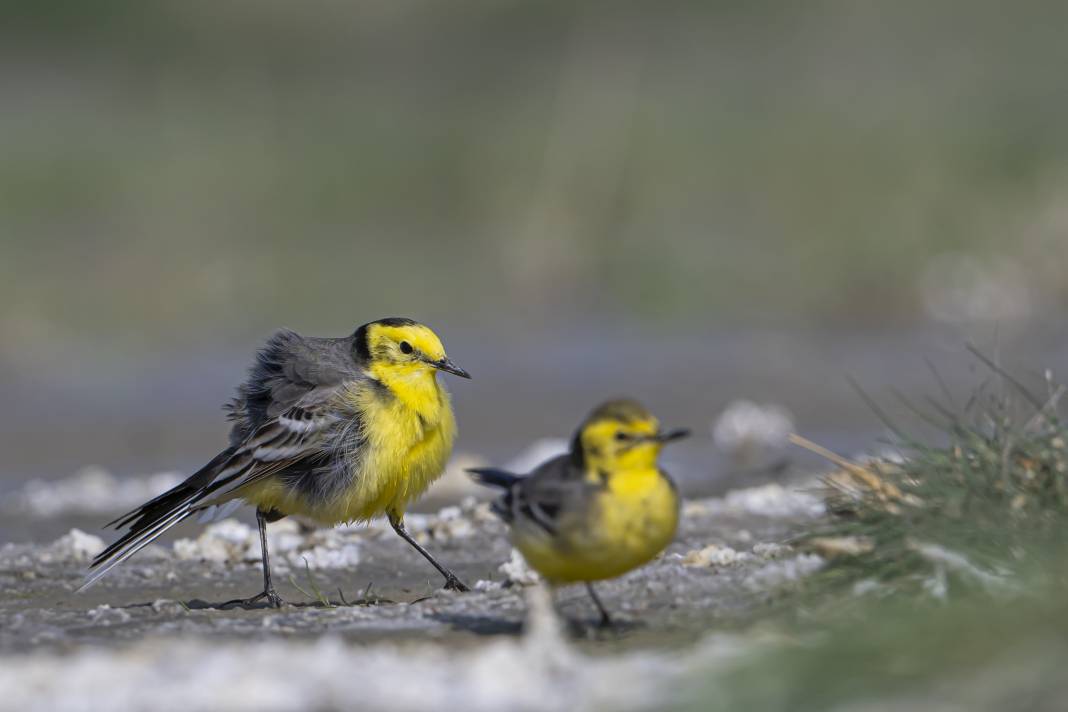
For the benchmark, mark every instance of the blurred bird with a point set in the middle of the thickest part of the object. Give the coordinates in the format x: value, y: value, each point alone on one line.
x: 598, y: 511
x: 336, y: 430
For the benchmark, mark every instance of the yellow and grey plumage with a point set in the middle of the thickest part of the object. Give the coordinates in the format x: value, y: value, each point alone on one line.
x: 333, y: 429
x: 600, y: 510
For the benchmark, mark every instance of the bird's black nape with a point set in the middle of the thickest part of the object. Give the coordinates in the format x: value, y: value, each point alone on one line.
x: 360, y: 346
x: 575, y: 452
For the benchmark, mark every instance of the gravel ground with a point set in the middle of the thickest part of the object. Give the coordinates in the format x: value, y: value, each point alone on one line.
x: 361, y: 595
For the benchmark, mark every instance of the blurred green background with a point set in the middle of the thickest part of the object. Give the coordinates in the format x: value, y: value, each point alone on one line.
x: 693, y: 201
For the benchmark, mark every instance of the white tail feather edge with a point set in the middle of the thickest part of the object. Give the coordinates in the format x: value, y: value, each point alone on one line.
x: 144, y: 539
x: 218, y: 511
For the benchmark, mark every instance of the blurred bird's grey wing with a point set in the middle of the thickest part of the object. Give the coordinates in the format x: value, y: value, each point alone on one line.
x: 553, y: 489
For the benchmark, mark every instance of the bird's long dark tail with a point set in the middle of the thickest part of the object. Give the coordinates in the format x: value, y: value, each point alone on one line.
x: 149, y: 521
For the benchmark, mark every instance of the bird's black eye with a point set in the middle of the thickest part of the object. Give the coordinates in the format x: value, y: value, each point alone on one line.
x: 622, y: 436
x: 405, y: 347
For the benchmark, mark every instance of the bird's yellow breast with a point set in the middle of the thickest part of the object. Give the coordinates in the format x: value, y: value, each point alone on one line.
x: 406, y: 430
x: 408, y: 439
x: 628, y: 523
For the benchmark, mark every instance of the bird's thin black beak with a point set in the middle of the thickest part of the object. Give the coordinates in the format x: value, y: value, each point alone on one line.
x: 666, y: 436
x: 448, y: 366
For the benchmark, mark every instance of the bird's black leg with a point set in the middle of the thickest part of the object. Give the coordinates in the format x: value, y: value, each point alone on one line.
x: 606, y: 620
x: 268, y: 586
x: 451, y: 581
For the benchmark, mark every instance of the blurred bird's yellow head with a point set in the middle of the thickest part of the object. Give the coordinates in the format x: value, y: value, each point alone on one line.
x: 621, y: 435
x: 397, y: 348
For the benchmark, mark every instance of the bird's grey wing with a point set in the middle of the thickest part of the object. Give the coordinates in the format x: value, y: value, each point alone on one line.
x: 288, y: 369
x: 284, y: 403
x: 285, y: 418
x: 302, y: 437
x: 286, y: 414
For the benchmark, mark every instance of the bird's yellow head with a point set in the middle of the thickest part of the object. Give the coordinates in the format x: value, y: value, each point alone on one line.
x: 621, y: 435
x: 398, y: 347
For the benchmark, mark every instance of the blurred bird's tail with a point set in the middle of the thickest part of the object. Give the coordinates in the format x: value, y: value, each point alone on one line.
x: 500, y: 479
x: 492, y: 477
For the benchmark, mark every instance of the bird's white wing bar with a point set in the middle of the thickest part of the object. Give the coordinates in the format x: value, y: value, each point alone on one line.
x: 298, y: 433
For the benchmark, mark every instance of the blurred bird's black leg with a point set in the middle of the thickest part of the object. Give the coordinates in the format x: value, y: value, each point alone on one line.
x: 268, y: 586
x: 606, y: 620
x: 452, y: 583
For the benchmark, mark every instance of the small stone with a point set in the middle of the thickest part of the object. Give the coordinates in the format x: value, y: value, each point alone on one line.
x: 714, y: 555
x: 866, y: 586
x: 76, y: 545
x: 518, y: 571
x: 770, y: 550
x: 106, y: 615
x: 325, y: 556
x: 448, y: 513
x: 783, y: 571
x: 166, y: 605
x: 831, y: 547
x: 228, y: 541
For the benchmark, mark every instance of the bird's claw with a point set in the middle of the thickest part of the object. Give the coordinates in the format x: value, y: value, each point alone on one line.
x: 273, y: 601
x: 454, y: 584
